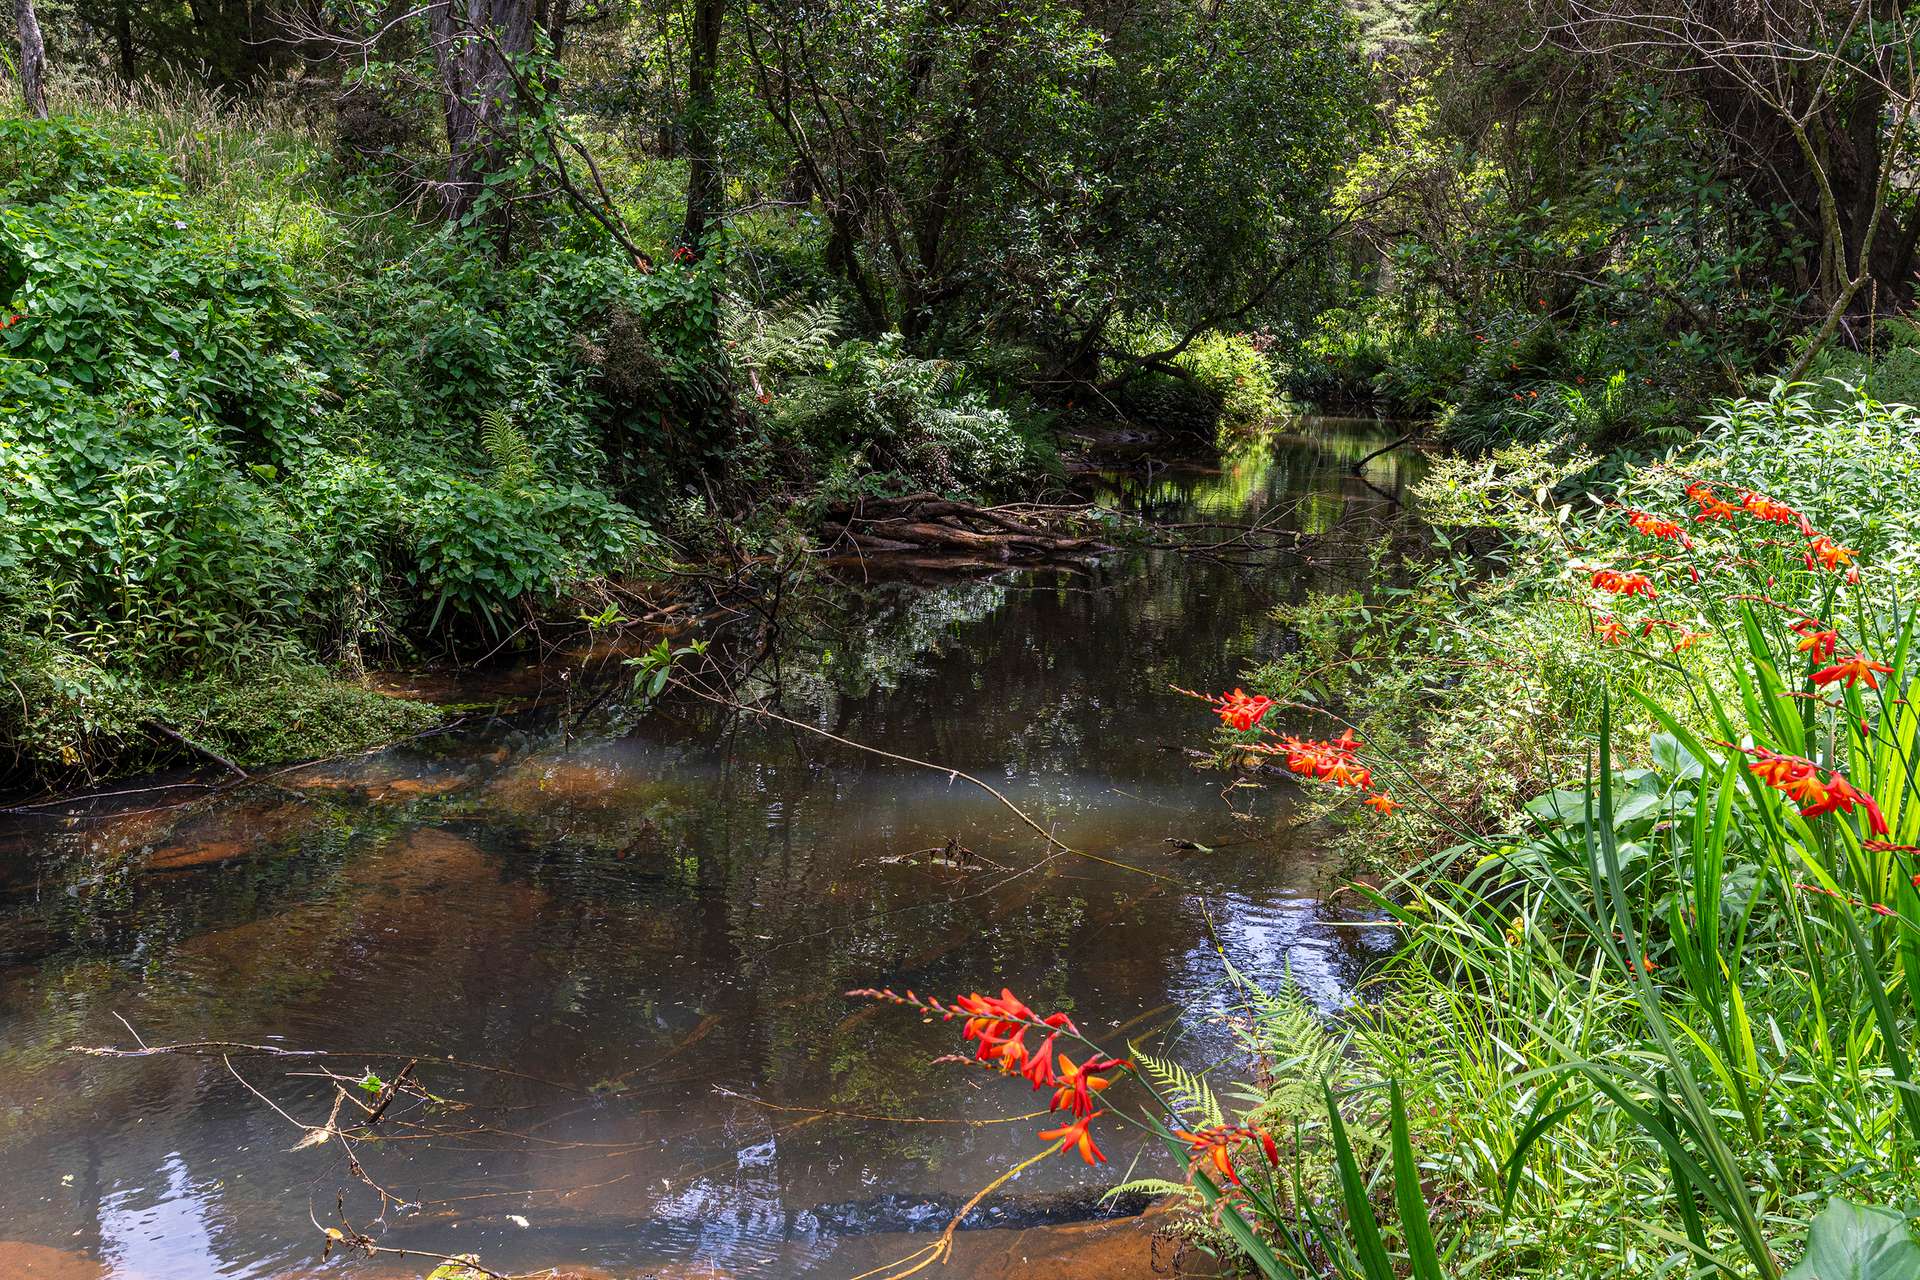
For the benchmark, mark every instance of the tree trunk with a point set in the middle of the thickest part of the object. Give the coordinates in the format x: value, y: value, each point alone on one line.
x: 33, y: 59
x: 703, y: 165
x: 472, y: 40
x: 123, y: 39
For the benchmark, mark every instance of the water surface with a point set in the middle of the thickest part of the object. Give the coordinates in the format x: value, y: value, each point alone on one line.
x: 650, y: 922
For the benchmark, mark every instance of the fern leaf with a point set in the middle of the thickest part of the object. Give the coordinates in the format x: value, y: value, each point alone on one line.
x: 507, y: 446
x: 1185, y: 1091
x: 1155, y: 1187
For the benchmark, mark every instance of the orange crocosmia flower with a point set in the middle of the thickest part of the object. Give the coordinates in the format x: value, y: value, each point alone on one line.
x: 1380, y: 800
x: 1039, y: 1069
x: 1213, y: 1146
x: 1712, y: 508
x: 1777, y: 770
x: 1841, y: 797
x: 1078, y: 1085
x: 1210, y: 1146
x: 1075, y: 1137
x: 1763, y: 508
x: 1815, y: 640
x: 1798, y: 778
x: 1242, y: 711
x: 1345, y: 773
x: 1851, y: 671
x: 1000, y: 1023
x: 1652, y: 526
x: 1624, y: 584
x: 1830, y: 554
x: 1608, y: 630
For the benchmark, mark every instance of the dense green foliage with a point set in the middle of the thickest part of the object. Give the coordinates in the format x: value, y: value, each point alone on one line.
x: 1664, y: 1021
x: 1590, y: 219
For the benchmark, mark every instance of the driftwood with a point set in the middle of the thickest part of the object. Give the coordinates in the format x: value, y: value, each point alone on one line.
x: 919, y: 524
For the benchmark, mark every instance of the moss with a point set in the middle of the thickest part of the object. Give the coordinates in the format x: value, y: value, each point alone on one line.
x: 294, y: 712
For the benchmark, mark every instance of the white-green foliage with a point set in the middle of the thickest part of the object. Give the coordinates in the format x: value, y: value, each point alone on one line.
x: 921, y: 419
x: 787, y: 337
x: 1842, y: 452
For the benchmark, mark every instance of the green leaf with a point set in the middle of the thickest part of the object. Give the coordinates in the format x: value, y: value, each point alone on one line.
x: 1858, y: 1242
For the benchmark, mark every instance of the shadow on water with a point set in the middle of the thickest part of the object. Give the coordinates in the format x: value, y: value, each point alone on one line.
x: 658, y: 918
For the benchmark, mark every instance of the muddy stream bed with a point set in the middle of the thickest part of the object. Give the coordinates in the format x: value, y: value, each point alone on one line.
x: 652, y: 919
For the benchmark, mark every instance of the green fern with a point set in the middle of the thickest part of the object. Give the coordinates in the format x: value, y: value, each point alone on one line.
x: 514, y: 461
x: 1299, y: 1056
x: 782, y: 338
x: 1158, y: 1188
x: 1184, y: 1091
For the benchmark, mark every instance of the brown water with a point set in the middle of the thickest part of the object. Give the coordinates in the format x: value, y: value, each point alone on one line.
x: 656, y: 917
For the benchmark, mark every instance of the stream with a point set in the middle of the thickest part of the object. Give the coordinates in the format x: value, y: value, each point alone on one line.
x: 617, y: 947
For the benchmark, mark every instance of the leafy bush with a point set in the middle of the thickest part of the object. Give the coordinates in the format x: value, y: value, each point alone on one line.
x: 478, y: 549
x: 41, y: 158
x: 124, y: 293
x: 218, y: 472
x: 1219, y: 380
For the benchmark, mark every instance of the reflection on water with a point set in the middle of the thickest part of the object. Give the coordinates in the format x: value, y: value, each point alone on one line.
x: 650, y: 925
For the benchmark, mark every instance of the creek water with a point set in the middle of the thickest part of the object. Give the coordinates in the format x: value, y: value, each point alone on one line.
x: 617, y: 947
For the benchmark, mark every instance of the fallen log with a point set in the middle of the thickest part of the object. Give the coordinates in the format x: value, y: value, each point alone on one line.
x: 916, y: 524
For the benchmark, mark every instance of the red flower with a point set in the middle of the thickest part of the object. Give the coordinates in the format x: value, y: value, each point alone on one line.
x: 1798, y: 778
x: 1075, y: 1135
x: 1815, y: 640
x: 1852, y: 671
x: 1623, y: 584
x: 1213, y: 1145
x: 1000, y: 1024
x: 1712, y: 506
x: 1332, y: 761
x: 1608, y: 630
x: 1242, y: 711
x: 1830, y: 554
x: 1380, y: 800
x: 1078, y: 1085
x: 1765, y: 509
x: 1652, y: 526
x: 1841, y: 797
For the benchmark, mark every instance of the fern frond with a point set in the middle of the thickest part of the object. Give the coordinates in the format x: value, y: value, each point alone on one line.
x: 1183, y: 1090
x: 514, y: 463
x: 784, y: 336
x: 1156, y: 1187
